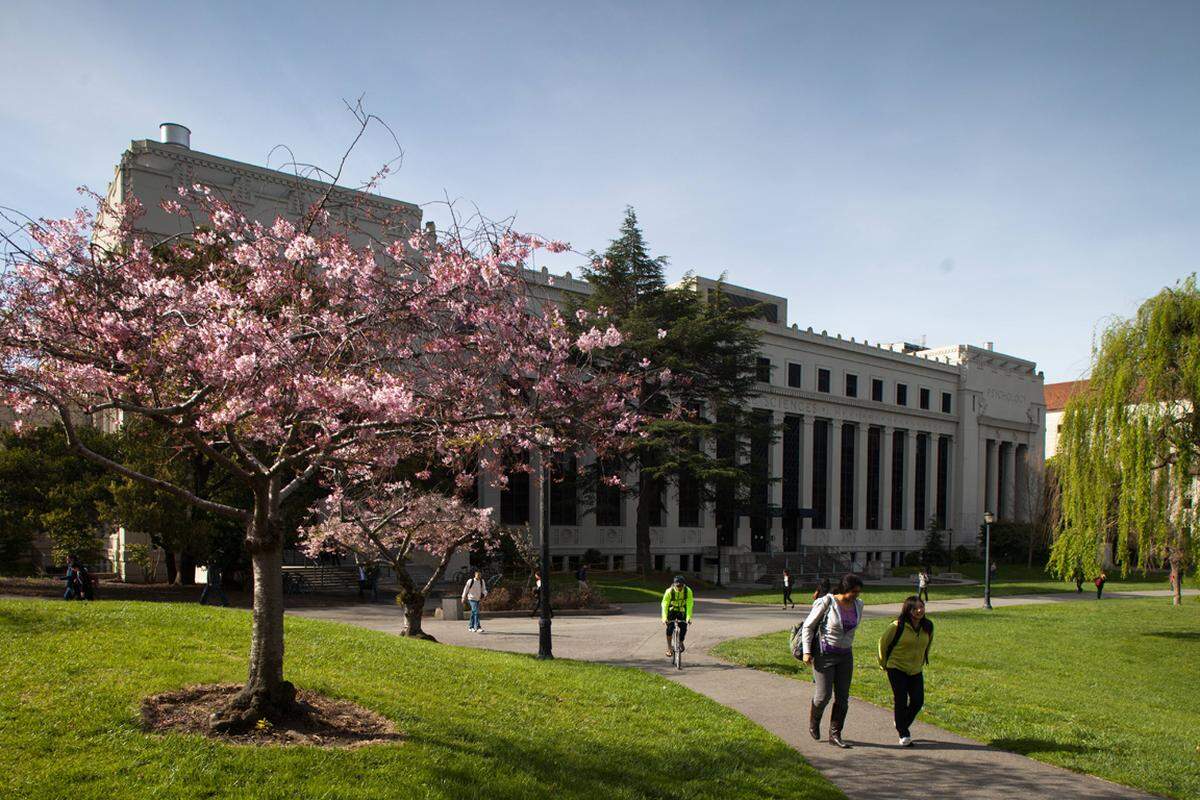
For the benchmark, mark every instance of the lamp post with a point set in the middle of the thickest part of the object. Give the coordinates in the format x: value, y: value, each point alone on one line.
x: 988, y: 519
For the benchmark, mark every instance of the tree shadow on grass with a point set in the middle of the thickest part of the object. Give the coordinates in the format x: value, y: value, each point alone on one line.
x: 1031, y: 746
x: 1187, y: 636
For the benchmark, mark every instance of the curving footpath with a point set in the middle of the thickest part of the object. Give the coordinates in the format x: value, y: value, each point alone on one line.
x: 942, y: 765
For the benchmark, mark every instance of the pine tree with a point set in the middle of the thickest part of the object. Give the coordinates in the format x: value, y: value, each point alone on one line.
x: 708, y: 343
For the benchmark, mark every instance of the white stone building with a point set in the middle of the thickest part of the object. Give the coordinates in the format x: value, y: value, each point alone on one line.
x: 876, y: 438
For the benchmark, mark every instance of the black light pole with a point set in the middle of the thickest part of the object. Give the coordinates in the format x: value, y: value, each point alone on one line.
x: 545, y: 649
x: 988, y: 519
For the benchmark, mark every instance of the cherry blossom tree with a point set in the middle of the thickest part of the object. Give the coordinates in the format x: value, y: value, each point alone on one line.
x: 391, y: 522
x: 282, y: 350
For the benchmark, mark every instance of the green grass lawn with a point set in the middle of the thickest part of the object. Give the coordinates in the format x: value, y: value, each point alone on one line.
x: 1012, y: 580
x: 476, y: 723
x: 630, y: 587
x: 1108, y: 688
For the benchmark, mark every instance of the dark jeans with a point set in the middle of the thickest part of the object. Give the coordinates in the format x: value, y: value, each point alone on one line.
x: 217, y: 591
x: 832, y: 673
x: 908, y: 695
x: 676, y: 618
x: 787, y: 595
x: 1099, y: 591
x: 923, y: 593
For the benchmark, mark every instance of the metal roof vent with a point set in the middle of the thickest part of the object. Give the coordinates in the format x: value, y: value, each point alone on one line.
x: 176, y: 134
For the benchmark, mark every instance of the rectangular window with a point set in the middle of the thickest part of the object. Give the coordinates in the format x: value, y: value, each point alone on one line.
x: 683, y: 562
x: 795, y: 373
x: 760, y: 471
x: 943, y: 479
x: 563, y: 497
x: 689, y: 501
x: 823, y: 380
x: 924, y: 399
x: 791, y: 482
x: 618, y: 563
x: 945, y: 402
x: 697, y: 562
x: 846, y: 509
x: 660, y: 563
x: 763, y: 370
x: 920, y: 519
x: 897, y: 511
x: 820, y: 476
x: 877, y: 390
x: 556, y: 563
x: 514, y: 497
x: 901, y: 394
x: 608, y: 500
x: 851, y: 385
x: 725, y: 502
x: 873, y: 464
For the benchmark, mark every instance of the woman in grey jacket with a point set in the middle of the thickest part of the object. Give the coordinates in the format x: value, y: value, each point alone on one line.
x: 828, y: 635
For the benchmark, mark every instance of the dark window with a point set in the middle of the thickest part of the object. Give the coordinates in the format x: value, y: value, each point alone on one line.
x: 851, y: 385
x: 725, y: 502
x: 618, y: 563
x: 877, y: 390
x: 924, y: 399
x: 919, y: 482
x: 608, y: 499
x: 897, y: 515
x: 846, y: 510
x: 823, y: 380
x: 660, y: 563
x: 683, y: 562
x: 901, y: 394
x: 943, y: 479
x: 873, y: 464
x: 795, y: 373
x: 655, y: 487
x: 762, y: 371
x: 760, y: 471
x: 945, y: 402
x: 689, y: 501
x: 697, y: 562
x: 791, y: 482
x: 820, y: 476
x: 563, y: 502
x: 514, y: 498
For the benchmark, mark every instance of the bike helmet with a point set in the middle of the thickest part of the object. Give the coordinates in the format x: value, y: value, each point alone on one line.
x: 678, y: 580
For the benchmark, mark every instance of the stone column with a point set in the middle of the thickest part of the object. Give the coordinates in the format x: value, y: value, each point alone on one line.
x: 860, y: 477
x: 931, y: 454
x: 1010, y: 480
x: 835, y: 475
x: 910, y: 475
x: 991, y: 475
x: 885, y: 477
x: 806, y: 471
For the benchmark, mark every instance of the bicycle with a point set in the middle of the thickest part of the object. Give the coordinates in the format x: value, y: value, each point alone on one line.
x: 677, y: 644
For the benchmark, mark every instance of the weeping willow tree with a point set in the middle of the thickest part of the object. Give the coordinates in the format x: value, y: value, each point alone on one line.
x: 1129, y: 457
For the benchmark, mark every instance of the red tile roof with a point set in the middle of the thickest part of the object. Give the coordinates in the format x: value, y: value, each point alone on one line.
x: 1057, y: 394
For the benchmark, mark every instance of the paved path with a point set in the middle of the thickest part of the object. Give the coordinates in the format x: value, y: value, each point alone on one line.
x: 943, y: 765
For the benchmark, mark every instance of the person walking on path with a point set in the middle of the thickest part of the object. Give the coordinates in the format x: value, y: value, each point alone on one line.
x: 473, y: 593
x: 213, y: 586
x: 828, y: 646
x: 537, y: 594
x: 1101, y: 579
x: 581, y: 576
x: 993, y: 570
x: 74, y: 590
x: 923, y: 583
x: 822, y: 588
x: 787, y: 589
x: 677, y: 602
x: 903, y: 654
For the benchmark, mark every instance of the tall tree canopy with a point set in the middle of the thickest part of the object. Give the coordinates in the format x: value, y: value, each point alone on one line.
x: 1129, y: 453
x: 710, y: 348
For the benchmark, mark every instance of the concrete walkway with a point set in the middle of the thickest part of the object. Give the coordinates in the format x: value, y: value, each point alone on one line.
x: 942, y: 765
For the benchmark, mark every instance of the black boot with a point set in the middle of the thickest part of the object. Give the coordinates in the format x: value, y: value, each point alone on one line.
x: 836, y: 719
x: 814, y: 722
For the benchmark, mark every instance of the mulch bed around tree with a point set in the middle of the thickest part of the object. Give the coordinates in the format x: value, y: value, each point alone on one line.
x: 318, y: 721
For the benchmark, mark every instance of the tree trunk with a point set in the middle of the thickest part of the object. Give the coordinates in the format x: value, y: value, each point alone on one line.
x: 642, y: 535
x: 266, y: 694
x: 414, y: 609
x: 187, y: 569
x: 1176, y: 583
x: 172, y: 572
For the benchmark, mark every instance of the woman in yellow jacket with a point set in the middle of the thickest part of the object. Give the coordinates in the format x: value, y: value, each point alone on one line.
x: 903, y: 654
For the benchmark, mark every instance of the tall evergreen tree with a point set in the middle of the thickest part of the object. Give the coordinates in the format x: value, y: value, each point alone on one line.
x: 709, y: 346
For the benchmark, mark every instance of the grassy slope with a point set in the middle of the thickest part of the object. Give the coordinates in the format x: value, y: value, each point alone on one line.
x: 478, y: 724
x: 1013, y: 580
x: 1107, y: 688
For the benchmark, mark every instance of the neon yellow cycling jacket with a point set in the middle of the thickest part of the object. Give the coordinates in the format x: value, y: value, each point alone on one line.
x: 677, y: 601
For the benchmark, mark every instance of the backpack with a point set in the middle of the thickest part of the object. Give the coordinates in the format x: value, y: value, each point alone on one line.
x: 796, y: 641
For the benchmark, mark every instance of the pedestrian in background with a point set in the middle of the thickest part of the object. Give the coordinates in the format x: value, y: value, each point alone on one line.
x: 787, y: 589
x: 923, y: 583
x: 473, y: 593
x: 213, y: 585
x: 1101, y: 579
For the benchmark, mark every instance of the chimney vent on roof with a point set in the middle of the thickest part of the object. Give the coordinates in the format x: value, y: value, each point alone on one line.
x: 176, y: 134
x: 990, y: 345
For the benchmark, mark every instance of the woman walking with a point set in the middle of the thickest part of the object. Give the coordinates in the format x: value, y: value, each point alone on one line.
x: 828, y: 636
x: 473, y: 593
x: 903, y: 654
x: 923, y: 583
x: 1101, y: 579
x: 787, y: 589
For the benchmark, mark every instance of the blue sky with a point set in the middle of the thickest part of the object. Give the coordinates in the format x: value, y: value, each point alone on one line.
x: 963, y: 171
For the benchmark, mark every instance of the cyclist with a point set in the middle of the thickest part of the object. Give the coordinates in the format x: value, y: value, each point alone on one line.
x: 677, y: 610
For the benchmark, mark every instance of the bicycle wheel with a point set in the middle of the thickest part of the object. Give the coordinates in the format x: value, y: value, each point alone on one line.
x: 676, y: 646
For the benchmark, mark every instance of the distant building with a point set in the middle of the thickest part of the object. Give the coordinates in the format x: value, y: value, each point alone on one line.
x: 1056, y: 396
x: 877, y: 439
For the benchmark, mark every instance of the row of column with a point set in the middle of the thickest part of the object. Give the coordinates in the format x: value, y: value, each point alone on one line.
x: 1005, y: 476
x: 861, y: 473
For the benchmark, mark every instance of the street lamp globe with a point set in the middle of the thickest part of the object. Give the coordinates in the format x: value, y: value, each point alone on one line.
x: 989, y: 517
